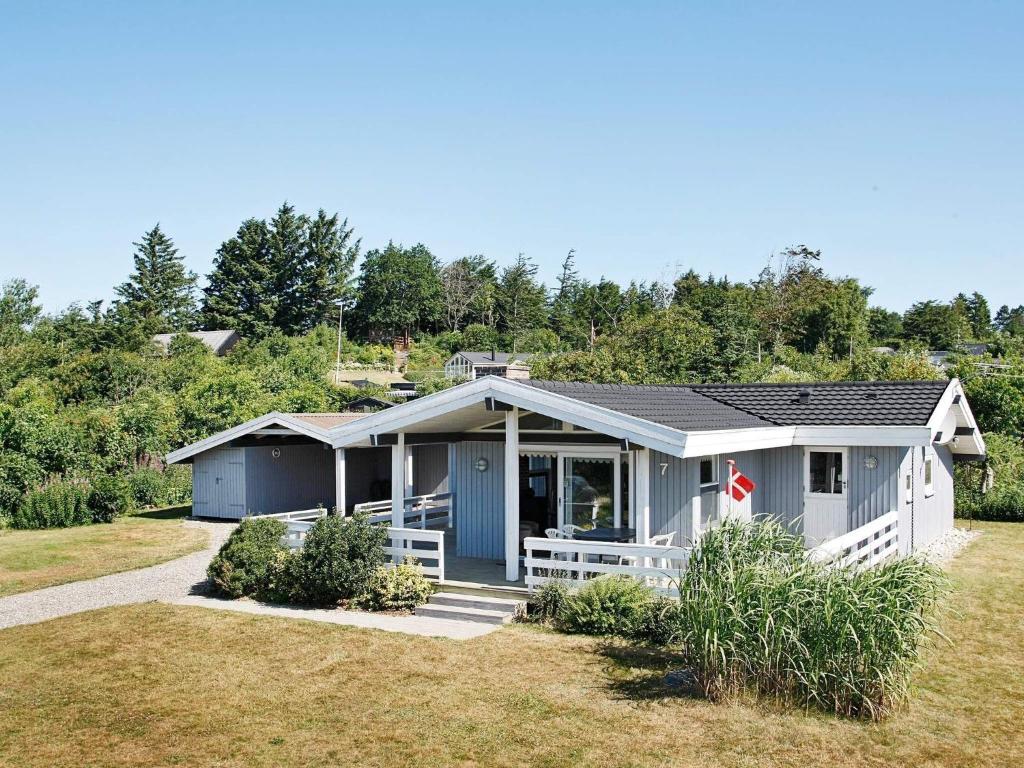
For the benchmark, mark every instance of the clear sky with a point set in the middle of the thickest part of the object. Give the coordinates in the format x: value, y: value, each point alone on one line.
x: 649, y: 137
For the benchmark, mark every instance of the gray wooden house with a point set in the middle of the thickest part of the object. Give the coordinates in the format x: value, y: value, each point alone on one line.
x: 621, y: 466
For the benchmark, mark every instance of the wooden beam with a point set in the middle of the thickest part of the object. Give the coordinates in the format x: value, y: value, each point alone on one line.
x: 398, y: 482
x: 643, y: 496
x: 339, y: 480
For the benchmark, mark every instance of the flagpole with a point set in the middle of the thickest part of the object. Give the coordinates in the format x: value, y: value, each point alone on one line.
x: 730, y: 463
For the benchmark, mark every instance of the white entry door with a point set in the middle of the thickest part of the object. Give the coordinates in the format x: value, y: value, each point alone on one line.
x: 825, y: 501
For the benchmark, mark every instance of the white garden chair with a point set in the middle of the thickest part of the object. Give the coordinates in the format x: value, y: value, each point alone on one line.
x: 571, y: 530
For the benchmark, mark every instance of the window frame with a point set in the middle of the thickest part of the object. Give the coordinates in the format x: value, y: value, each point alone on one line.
x: 928, y: 473
x: 715, y: 483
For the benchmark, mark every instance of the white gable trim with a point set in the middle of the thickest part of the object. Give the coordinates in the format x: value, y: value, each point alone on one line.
x: 944, y: 419
x: 249, y: 427
x: 596, y: 418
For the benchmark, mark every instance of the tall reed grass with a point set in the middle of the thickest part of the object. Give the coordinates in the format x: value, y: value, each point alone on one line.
x: 756, y: 614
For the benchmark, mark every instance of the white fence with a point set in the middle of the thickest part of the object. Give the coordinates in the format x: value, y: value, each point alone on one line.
x: 574, y: 561
x: 864, y: 547
x: 426, y: 546
x: 425, y: 511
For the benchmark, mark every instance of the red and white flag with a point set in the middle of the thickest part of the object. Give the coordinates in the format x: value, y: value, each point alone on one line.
x: 740, y: 486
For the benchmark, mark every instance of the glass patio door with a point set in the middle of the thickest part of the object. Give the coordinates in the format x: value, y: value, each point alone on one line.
x: 588, y: 491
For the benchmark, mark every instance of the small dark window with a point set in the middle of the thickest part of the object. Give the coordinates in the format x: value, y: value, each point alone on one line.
x: 707, y: 472
x: 826, y: 472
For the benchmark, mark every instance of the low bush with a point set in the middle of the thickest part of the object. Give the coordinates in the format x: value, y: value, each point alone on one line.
x: 58, y: 505
x: 1002, y: 505
x: 549, y: 601
x: 251, y: 559
x: 156, y: 488
x: 401, y: 588
x: 659, y: 622
x: 109, y: 497
x: 608, y: 605
x: 338, y: 558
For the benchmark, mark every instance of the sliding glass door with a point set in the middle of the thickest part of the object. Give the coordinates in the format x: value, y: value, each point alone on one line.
x: 588, y: 491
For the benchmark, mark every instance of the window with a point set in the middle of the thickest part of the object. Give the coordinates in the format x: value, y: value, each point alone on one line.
x: 910, y: 488
x: 708, y: 471
x: 825, y: 470
x: 929, y: 488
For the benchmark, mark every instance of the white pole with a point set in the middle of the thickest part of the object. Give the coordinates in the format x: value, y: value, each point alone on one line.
x: 730, y: 464
x: 398, y: 482
x: 512, y: 494
x: 642, y: 473
x: 339, y: 480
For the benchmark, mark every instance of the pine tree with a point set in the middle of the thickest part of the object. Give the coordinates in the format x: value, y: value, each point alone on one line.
x: 160, y: 292
x: 326, y: 275
x: 979, y: 315
x: 521, y: 300
x: 293, y: 274
x: 242, y: 290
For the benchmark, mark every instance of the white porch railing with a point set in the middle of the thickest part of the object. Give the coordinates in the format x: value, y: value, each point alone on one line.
x: 863, y: 547
x: 574, y: 562
x: 426, y: 546
x: 424, y: 511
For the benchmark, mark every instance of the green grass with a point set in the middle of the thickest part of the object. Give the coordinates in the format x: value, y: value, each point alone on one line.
x: 155, y: 685
x: 35, y: 559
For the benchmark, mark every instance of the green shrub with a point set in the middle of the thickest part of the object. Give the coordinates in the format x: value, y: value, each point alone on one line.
x: 58, y: 505
x: 660, y: 622
x: 109, y: 497
x: 338, y: 558
x: 1002, y: 504
x: 549, y: 600
x: 401, y: 588
x: 147, y: 486
x: 608, y: 605
x: 250, y: 559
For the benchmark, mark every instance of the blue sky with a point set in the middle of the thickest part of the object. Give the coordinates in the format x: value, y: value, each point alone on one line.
x: 649, y: 137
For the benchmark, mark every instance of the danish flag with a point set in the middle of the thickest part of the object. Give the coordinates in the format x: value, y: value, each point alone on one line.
x: 740, y: 486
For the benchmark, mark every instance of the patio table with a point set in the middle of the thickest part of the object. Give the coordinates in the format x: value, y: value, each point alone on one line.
x: 607, y: 535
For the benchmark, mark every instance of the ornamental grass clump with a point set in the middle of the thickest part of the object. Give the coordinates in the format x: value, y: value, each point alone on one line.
x: 758, y: 615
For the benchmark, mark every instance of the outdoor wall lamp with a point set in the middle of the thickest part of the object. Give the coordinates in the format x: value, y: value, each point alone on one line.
x: 481, y: 464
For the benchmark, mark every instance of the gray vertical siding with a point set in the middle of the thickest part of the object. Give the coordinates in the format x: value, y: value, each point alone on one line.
x: 480, y: 497
x: 905, y: 506
x: 302, y: 477
x: 430, y: 469
x: 933, y: 515
x: 671, y: 495
x: 782, y: 489
x: 367, y: 475
x: 872, y: 492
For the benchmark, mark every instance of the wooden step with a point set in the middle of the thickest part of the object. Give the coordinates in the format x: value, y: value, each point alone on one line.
x: 486, y: 602
x: 464, y: 613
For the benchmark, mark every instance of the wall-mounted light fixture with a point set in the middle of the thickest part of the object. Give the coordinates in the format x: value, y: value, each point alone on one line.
x: 276, y: 453
x: 870, y: 462
x: 481, y: 464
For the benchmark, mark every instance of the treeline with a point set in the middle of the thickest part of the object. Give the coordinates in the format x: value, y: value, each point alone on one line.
x: 294, y: 272
x: 89, y: 404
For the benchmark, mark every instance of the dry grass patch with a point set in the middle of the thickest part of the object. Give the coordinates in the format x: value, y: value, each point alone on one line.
x: 159, y: 685
x: 35, y: 559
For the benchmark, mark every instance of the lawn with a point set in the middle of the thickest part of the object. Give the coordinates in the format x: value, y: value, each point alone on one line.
x: 163, y: 685
x: 36, y: 559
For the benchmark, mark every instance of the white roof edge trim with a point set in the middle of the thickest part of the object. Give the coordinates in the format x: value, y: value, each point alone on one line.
x: 274, y: 417
x: 551, y: 404
x: 860, y: 435
x: 943, y: 407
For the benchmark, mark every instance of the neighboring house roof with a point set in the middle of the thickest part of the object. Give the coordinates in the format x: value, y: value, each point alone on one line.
x: 847, y: 403
x: 492, y: 358
x: 673, y: 406
x: 974, y: 349
x: 219, y: 342
x: 326, y: 420
x: 368, y: 403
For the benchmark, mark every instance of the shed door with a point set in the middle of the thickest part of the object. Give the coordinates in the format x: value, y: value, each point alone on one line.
x: 825, y: 501
x: 218, y: 484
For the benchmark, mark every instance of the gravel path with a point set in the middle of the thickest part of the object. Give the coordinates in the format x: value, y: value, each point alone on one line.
x: 183, y: 581
x: 168, y: 581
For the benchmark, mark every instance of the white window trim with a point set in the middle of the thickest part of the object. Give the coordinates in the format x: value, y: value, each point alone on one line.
x: 808, y: 450
x: 929, y: 461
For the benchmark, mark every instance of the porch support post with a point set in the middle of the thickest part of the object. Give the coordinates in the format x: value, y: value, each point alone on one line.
x: 617, y: 492
x: 693, y: 473
x: 451, y: 485
x: 409, y: 482
x: 643, y: 496
x: 512, y: 494
x: 339, y: 480
x: 398, y: 482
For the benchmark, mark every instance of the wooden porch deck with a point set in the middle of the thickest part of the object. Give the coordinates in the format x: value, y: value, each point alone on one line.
x: 476, y: 573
